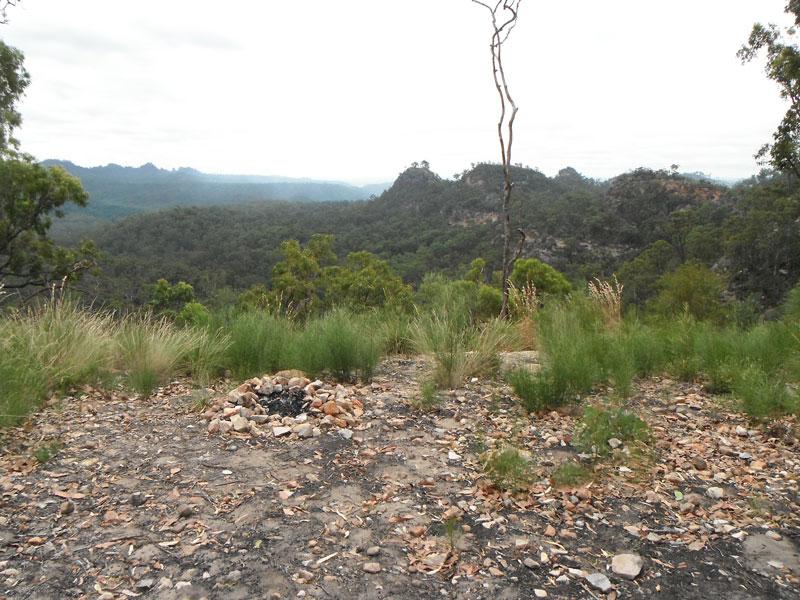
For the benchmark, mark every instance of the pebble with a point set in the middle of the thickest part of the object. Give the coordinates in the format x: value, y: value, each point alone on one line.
x: 137, y: 499
x: 373, y: 550
x: 454, y: 456
x: 715, y: 492
x: 539, y: 593
x: 699, y: 464
x: 598, y: 581
x: 614, y: 443
x: 530, y: 563
x: 346, y: 433
x: 774, y: 535
x: 185, y: 511
x: 306, y: 430
x: 145, y: 584
x: 279, y: 431
x: 627, y: 566
x: 741, y: 431
x: 371, y: 567
x: 66, y: 508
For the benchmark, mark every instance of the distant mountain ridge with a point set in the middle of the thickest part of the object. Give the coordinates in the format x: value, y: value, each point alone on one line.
x: 117, y: 191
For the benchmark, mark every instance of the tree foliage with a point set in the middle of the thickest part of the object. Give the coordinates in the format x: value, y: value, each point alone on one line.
x: 783, y: 67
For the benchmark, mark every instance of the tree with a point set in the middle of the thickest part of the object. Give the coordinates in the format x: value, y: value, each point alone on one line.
x: 13, y: 81
x: 30, y: 195
x: 504, y: 15
x: 783, y: 67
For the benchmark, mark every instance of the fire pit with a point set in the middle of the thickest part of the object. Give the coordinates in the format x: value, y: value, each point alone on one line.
x: 287, y: 402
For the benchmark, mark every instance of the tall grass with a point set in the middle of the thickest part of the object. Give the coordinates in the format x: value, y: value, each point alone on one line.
x: 459, y: 349
x: 151, y: 350
x: 341, y: 343
x: 582, y: 346
x: 260, y: 343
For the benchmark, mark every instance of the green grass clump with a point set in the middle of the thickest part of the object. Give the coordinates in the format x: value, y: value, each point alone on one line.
x: 259, y: 343
x: 429, y: 398
x: 458, y: 348
x: 508, y: 469
x: 207, y: 358
x: 599, y: 425
x: 340, y: 343
x: 45, y: 453
x: 538, y: 392
x: 151, y: 351
x: 570, y: 473
x: 763, y: 396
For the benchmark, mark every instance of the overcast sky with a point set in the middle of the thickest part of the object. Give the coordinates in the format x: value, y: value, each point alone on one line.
x: 358, y: 89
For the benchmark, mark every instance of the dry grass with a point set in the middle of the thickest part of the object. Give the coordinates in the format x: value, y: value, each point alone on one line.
x: 525, y: 304
x: 608, y: 297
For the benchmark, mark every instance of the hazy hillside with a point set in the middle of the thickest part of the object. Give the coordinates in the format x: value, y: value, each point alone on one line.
x: 116, y: 191
x: 422, y: 223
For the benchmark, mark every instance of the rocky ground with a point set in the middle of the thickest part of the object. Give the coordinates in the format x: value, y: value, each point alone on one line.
x: 135, y: 498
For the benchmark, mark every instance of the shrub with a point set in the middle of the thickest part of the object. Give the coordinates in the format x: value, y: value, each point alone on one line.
x: 544, y: 278
x: 692, y: 288
x: 508, y: 469
x: 599, y: 425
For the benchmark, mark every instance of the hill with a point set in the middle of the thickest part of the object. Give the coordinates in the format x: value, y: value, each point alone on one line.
x: 116, y: 192
x: 422, y: 223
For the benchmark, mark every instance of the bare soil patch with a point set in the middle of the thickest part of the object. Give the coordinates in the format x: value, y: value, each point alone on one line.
x: 139, y: 500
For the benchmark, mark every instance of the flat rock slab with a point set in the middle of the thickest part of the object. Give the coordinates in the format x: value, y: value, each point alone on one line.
x: 760, y: 551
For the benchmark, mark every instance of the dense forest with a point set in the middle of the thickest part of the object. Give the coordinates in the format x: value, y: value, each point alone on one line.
x: 638, y: 225
x: 116, y: 192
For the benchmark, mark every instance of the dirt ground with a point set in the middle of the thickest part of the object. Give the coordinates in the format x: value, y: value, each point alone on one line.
x: 138, y: 500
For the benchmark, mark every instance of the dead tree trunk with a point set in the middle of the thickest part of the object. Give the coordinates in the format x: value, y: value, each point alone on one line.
x: 504, y: 15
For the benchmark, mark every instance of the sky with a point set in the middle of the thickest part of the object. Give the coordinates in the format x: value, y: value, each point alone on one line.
x: 357, y: 90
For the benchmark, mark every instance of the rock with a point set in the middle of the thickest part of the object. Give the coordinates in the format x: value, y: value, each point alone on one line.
x: 331, y: 408
x: 346, y: 433
x: 239, y: 423
x: 227, y: 413
x: 550, y: 531
x: 455, y: 457
x: 598, y: 581
x: 213, y: 426
x: 627, y: 566
x: 530, y: 563
x: 66, y: 508
x: 306, y: 430
x: 225, y: 426
x: 741, y: 431
x: 774, y: 535
x: 699, y: 464
x: 715, y: 492
x: 137, y: 499
x: 185, y: 511
x: 145, y: 584
x: 615, y: 443
x: 371, y: 567
x: 279, y: 431
x: 539, y: 593
x: 373, y: 550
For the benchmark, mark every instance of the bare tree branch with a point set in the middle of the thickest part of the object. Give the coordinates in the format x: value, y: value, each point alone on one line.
x: 504, y: 17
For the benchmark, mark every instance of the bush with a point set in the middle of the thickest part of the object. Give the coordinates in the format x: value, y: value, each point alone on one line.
x: 692, y: 288
x: 544, y: 278
x: 599, y: 425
